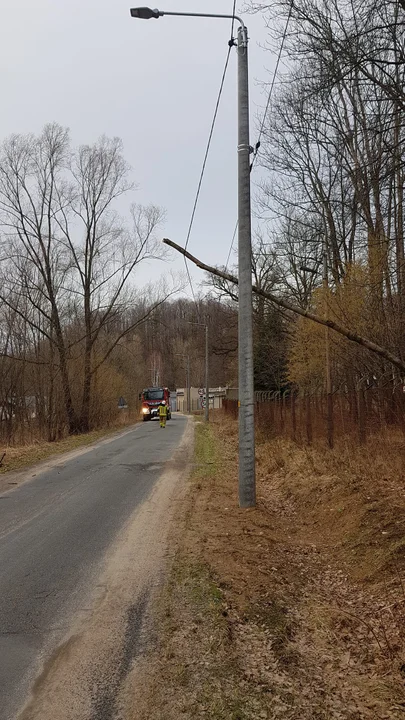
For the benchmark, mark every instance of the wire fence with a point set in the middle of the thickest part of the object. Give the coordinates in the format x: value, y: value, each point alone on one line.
x: 309, y: 417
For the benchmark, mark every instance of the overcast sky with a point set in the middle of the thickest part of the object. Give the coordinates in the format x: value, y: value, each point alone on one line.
x: 87, y: 65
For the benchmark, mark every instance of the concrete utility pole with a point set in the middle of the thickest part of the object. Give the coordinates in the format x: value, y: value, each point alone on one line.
x: 247, y: 479
x: 207, y: 388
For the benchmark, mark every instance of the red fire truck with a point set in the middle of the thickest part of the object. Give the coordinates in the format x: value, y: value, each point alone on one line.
x: 151, y: 398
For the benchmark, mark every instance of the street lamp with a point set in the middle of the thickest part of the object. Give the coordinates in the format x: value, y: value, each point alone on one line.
x: 145, y: 13
x: 247, y: 480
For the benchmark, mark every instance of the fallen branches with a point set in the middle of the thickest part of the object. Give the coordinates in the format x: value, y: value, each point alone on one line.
x: 349, y: 334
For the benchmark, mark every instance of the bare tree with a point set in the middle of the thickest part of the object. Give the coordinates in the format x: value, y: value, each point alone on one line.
x: 68, y: 258
x: 332, y: 152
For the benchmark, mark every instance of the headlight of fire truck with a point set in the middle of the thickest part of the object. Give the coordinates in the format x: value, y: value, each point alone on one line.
x: 145, y: 410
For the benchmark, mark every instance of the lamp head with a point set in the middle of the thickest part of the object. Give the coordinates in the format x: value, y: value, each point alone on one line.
x: 144, y: 13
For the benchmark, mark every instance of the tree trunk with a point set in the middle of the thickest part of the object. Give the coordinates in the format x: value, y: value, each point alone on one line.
x: 73, y: 420
x: 86, y: 397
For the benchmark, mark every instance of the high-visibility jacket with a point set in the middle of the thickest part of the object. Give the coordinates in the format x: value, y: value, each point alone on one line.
x: 162, y: 410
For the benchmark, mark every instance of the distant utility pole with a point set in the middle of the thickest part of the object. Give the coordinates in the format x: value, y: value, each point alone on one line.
x: 328, y: 370
x: 188, y: 385
x: 329, y: 396
x: 207, y: 388
x: 207, y: 385
x: 188, y: 393
x: 155, y: 374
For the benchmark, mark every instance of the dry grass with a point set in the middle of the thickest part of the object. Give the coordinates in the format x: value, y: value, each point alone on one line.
x: 294, y: 610
x: 18, y: 457
x: 357, y: 494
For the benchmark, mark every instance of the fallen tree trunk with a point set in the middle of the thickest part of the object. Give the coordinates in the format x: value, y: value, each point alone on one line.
x: 337, y: 327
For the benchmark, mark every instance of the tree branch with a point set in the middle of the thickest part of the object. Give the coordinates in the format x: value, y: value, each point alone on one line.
x: 349, y: 334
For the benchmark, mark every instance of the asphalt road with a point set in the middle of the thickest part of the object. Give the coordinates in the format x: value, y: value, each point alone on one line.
x: 55, y: 530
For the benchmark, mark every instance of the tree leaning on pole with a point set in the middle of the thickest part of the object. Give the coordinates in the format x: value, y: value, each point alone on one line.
x: 337, y: 327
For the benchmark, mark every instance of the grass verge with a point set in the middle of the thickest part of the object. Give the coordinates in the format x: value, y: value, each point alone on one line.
x: 293, y: 610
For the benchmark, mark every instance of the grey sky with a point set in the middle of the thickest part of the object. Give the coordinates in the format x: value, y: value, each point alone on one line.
x: 87, y: 65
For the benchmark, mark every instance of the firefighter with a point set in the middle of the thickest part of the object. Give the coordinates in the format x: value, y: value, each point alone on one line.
x: 163, y: 414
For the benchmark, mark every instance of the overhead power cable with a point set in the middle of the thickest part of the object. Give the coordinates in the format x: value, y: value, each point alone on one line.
x: 264, y: 118
x: 207, y: 149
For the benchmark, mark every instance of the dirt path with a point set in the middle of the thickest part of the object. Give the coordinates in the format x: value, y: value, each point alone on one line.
x: 89, y: 674
x: 292, y: 611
